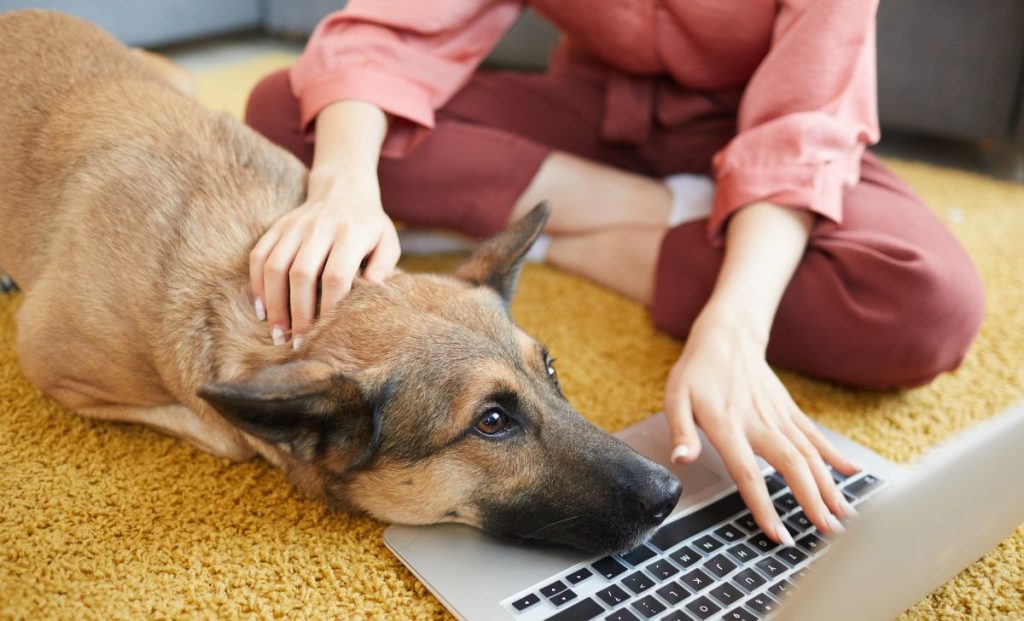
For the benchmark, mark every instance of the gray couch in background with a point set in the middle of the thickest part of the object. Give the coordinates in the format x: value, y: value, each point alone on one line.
x: 948, y: 68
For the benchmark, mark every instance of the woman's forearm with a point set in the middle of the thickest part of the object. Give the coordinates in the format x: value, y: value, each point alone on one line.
x: 764, y: 245
x: 349, y: 135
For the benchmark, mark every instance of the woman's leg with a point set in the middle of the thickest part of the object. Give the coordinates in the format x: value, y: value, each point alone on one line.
x: 504, y: 143
x: 886, y: 299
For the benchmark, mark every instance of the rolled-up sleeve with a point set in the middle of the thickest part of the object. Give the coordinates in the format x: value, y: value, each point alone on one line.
x: 406, y: 56
x: 806, y: 115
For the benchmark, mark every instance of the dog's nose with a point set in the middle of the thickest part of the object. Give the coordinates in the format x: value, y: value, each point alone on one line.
x: 660, y: 496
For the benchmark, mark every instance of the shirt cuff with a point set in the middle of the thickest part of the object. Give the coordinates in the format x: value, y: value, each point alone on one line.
x: 396, y: 96
x: 815, y: 187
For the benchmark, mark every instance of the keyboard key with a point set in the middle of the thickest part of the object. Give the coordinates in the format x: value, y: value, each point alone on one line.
x: 638, y: 555
x: 562, y: 597
x: 673, y: 593
x: 762, y: 604
x: 793, y: 556
x: 579, y: 575
x: 786, y: 503
x: 697, y: 522
x: 772, y: 567
x: 800, y: 574
x: 696, y: 580
x: 551, y: 589
x: 720, y: 565
x: 707, y: 544
x: 747, y: 523
x: 729, y: 533
x: 761, y: 543
x: 748, y: 580
x: 850, y: 498
x: 662, y: 569
x: 727, y: 594
x: 702, y: 607
x: 775, y: 483
x: 812, y: 543
x: 583, y: 610
x: 837, y: 476
x: 685, y: 556
x: 742, y: 553
x: 799, y: 521
x: 648, y: 606
x: 525, y: 602
x: 738, y: 614
x: 608, y: 567
x: 637, y: 582
x: 863, y: 485
x: 677, y: 615
x: 782, y: 588
x: 622, y: 615
x: 612, y: 595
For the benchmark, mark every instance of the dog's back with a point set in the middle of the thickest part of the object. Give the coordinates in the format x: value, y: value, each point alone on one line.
x: 45, y: 59
x: 93, y: 136
x: 125, y: 207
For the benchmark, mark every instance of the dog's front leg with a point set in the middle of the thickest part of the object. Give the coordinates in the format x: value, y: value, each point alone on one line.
x: 180, y: 422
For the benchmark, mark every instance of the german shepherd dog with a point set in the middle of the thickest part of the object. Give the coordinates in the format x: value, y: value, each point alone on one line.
x: 127, y: 213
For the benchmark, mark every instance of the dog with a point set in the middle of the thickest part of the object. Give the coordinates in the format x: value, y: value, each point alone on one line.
x: 127, y: 214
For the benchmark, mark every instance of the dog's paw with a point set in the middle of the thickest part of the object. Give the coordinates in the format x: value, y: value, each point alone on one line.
x: 6, y: 283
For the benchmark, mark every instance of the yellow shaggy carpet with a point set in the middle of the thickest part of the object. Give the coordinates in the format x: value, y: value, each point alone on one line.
x: 104, y: 521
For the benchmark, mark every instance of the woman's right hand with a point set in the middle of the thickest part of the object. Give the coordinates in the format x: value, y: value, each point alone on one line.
x: 340, y: 228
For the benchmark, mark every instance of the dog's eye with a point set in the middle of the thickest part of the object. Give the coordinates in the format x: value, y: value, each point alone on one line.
x: 550, y: 367
x: 493, y: 422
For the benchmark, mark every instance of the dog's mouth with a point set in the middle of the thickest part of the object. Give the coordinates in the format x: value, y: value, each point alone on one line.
x: 585, y: 531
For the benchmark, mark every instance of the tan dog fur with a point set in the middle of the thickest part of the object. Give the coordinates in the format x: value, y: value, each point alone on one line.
x: 127, y: 213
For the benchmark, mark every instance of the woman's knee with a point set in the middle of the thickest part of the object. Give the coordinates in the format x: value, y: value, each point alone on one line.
x: 915, y: 321
x: 273, y: 111
x: 941, y: 309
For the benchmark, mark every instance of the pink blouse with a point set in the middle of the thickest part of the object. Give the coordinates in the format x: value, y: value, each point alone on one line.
x: 806, y: 67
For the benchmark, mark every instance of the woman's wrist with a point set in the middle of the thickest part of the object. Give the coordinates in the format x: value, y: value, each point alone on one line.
x: 737, y: 319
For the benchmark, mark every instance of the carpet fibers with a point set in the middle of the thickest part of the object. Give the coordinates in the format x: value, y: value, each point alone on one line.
x: 103, y: 521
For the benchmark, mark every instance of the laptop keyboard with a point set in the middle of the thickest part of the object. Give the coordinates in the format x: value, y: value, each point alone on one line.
x: 713, y: 563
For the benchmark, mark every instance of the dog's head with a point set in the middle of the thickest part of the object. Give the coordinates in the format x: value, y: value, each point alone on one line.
x: 420, y: 401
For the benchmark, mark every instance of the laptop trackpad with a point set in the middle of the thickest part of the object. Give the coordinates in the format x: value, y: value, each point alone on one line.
x: 650, y: 437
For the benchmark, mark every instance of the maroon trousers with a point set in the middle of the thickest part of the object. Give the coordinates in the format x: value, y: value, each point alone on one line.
x: 886, y: 299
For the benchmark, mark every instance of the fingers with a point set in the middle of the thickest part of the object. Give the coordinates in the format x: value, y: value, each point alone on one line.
x: 794, y: 466
x: 824, y: 447
x: 275, y: 284
x: 303, y: 276
x: 679, y: 412
x: 385, y: 256
x: 340, y: 271
x: 257, y: 259
x: 739, y: 460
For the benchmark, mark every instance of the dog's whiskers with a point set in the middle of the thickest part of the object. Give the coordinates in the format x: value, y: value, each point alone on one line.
x: 551, y: 525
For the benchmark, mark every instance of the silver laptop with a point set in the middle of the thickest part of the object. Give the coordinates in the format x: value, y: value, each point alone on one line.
x: 919, y: 526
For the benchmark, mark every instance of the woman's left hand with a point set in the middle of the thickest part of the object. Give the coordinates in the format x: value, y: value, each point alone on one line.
x: 723, y: 383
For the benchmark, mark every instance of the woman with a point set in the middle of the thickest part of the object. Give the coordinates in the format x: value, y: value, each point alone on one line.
x: 811, y: 255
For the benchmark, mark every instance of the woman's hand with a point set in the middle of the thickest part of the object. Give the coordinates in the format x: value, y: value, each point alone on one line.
x: 338, y: 230
x: 723, y: 383
x: 326, y: 240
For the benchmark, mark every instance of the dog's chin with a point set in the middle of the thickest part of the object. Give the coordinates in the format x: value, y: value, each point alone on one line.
x: 607, y: 542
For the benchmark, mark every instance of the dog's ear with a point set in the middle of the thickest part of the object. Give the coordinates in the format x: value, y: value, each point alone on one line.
x: 301, y: 406
x: 498, y: 261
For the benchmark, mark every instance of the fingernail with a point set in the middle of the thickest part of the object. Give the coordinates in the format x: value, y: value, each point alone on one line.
x: 848, y: 509
x: 834, y: 525
x: 261, y: 310
x: 277, y: 335
x: 296, y: 342
x: 783, y: 535
x: 679, y: 453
